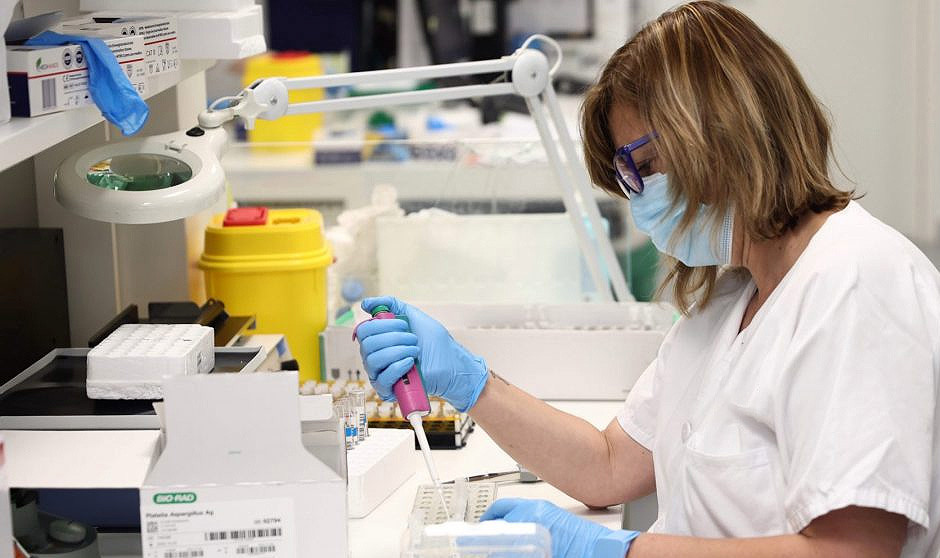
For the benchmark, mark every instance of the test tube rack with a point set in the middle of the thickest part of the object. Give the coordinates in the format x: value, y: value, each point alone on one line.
x: 465, y: 502
x: 447, y: 432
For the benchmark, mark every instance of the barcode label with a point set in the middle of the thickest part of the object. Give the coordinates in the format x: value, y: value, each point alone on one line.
x: 193, y: 525
x: 48, y: 93
x: 256, y: 550
x: 243, y: 534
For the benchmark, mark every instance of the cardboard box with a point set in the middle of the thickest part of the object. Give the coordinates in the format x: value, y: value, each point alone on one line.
x: 208, y: 33
x: 235, y: 479
x: 160, y: 35
x: 46, y: 79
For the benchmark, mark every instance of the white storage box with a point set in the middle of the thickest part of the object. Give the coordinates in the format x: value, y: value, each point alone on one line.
x: 222, y: 33
x: 133, y: 361
x: 438, y: 257
x: 590, y: 351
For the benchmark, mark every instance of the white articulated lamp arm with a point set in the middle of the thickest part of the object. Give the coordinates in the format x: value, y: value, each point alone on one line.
x: 528, y: 75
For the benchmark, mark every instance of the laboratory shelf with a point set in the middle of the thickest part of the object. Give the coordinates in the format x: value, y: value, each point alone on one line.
x: 286, y: 176
x: 22, y: 138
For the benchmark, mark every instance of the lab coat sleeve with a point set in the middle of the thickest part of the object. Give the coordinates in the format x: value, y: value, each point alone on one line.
x: 638, y: 417
x: 855, y: 400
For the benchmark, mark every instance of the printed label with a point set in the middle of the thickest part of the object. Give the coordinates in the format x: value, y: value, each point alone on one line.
x: 197, y: 529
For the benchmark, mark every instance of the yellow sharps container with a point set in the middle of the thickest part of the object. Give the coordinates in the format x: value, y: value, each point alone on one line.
x: 272, y: 263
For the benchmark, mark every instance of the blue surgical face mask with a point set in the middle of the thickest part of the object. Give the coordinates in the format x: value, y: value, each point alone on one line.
x: 695, y: 247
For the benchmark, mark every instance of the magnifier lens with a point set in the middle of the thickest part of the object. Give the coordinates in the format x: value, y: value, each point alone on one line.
x: 139, y: 172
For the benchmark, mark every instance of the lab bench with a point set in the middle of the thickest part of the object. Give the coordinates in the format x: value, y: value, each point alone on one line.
x: 379, y: 533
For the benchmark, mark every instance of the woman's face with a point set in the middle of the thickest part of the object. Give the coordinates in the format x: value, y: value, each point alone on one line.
x: 625, y: 127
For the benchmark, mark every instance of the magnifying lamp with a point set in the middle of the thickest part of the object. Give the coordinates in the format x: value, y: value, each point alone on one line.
x: 172, y: 176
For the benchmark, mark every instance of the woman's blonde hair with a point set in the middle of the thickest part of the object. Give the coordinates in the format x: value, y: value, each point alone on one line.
x: 738, y: 127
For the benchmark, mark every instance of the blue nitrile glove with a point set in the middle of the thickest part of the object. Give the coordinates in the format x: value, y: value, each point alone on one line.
x: 389, y: 349
x: 110, y: 89
x: 572, y: 536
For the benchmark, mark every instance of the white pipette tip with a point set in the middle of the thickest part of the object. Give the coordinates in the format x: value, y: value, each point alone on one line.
x: 418, y: 427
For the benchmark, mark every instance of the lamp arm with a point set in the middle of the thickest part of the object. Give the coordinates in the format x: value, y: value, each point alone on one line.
x: 582, y: 184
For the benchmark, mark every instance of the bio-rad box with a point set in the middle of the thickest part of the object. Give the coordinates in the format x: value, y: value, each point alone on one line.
x: 233, y: 477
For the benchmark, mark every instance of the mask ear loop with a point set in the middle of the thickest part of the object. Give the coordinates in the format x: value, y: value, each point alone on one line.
x: 726, y: 242
x: 745, y: 249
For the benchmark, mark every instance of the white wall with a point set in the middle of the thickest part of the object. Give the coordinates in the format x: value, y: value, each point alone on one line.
x: 874, y: 64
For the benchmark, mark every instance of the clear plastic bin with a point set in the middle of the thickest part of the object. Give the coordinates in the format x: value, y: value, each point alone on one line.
x: 478, y: 540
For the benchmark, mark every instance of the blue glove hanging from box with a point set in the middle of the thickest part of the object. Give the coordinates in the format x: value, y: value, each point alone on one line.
x: 110, y: 89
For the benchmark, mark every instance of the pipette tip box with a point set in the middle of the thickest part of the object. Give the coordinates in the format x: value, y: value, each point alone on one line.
x: 132, y: 362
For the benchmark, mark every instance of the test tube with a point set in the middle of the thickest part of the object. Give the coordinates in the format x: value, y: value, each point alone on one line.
x: 357, y: 397
x: 339, y: 411
x: 352, y: 421
x: 344, y: 410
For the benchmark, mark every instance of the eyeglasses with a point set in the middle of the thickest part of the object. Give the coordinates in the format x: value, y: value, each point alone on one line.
x: 626, y: 170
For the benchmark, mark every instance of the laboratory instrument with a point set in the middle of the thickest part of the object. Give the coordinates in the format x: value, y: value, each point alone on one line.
x: 195, y: 152
x: 520, y: 474
x: 51, y: 394
x: 409, y: 390
x: 45, y: 535
x: 526, y: 73
x: 229, y: 329
x: 413, y: 402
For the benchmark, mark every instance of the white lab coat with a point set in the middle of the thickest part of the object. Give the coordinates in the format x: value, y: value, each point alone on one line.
x: 829, y: 398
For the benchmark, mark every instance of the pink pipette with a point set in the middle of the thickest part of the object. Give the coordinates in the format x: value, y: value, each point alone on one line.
x: 414, y: 404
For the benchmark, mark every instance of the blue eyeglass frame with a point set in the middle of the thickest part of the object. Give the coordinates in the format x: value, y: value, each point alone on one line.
x: 628, y: 177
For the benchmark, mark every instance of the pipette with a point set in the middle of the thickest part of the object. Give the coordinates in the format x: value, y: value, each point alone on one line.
x: 414, y: 404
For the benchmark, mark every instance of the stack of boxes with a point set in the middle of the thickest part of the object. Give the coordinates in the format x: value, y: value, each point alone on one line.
x: 45, y: 79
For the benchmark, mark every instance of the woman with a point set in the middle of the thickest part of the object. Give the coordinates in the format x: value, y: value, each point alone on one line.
x: 791, y: 411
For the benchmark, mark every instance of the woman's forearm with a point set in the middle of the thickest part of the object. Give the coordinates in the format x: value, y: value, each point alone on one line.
x: 851, y: 532
x: 564, y: 450
x: 651, y: 545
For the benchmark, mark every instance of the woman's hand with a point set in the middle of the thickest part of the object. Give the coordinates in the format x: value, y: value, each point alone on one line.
x: 389, y: 349
x: 572, y: 536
